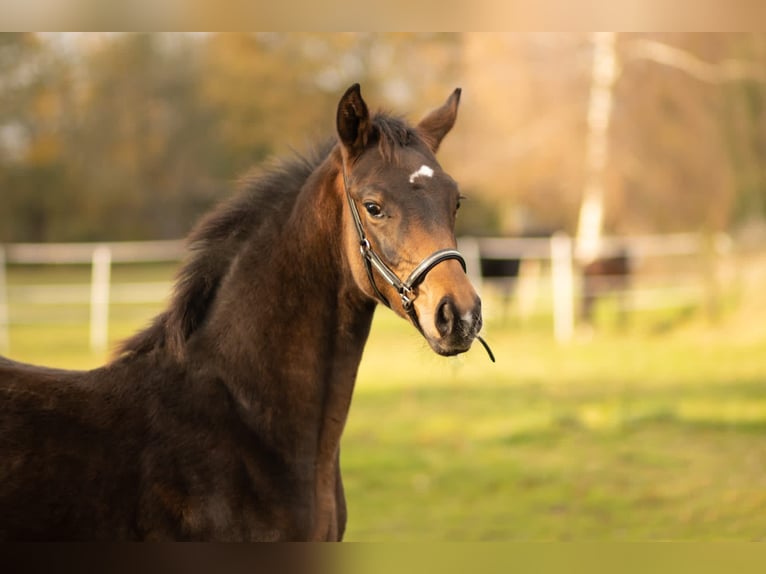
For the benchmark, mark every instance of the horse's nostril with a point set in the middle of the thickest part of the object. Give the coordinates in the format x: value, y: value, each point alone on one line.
x: 445, y: 317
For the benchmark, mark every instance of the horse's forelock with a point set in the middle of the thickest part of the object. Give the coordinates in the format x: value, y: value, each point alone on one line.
x: 394, y: 135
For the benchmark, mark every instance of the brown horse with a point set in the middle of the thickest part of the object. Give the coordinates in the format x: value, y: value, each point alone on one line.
x: 222, y: 420
x: 609, y: 274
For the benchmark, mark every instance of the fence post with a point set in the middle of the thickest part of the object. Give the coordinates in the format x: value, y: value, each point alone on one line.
x: 99, y: 298
x: 563, y: 287
x: 469, y: 248
x: 5, y: 338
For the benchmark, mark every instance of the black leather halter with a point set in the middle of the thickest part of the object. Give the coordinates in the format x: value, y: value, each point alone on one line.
x: 405, y: 288
x: 372, y: 260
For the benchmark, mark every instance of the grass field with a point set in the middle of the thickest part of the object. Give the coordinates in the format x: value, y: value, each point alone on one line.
x: 654, y: 433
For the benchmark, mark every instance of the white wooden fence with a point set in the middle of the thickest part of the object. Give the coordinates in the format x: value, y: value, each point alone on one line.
x: 100, y: 256
x: 558, y: 251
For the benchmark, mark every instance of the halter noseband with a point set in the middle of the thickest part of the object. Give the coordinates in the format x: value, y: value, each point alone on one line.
x: 405, y: 288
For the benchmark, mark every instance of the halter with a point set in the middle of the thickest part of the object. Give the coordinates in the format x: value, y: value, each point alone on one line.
x: 405, y: 288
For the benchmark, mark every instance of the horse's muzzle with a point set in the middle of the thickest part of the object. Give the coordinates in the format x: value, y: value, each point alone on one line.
x: 457, y: 328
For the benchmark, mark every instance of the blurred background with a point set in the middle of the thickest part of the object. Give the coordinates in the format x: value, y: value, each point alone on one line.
x: 615, y: 226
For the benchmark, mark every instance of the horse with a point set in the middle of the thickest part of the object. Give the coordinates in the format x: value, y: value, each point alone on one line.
x: 222, y: 419
x: 605, y: 275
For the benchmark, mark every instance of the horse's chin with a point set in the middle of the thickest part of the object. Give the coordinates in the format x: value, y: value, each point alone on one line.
x: 450, y: 349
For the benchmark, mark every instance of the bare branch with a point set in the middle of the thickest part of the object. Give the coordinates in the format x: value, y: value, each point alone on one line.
x: 724, y: 71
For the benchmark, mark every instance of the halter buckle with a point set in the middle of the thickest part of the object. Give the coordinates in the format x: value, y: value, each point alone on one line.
x: 406, y: 294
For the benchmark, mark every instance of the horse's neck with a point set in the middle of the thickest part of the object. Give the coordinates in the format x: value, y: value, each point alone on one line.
x: 289, y: 327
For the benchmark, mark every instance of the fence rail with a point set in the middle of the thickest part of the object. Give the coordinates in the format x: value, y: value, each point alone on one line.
x: 560, y: 256
x: 100, y: 293
x: 73, y: 253
x: 559, y: 250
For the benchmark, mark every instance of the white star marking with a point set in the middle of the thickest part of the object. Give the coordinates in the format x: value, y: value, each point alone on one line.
x: 423, y: 171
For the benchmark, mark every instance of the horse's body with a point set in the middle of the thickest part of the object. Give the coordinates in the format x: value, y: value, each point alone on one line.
x: 222, y: 420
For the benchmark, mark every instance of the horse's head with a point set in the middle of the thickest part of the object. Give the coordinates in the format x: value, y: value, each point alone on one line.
x: 401, y: 211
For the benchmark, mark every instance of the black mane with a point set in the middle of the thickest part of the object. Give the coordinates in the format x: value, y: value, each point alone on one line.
x: 264, y: 195
x: 393, y: 133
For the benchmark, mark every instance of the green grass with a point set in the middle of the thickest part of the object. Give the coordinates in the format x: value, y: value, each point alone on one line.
x: 622, y: 438
x: 645, y: 434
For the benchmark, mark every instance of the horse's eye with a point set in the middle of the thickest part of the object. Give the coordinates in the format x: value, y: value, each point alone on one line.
x: 373, y: 209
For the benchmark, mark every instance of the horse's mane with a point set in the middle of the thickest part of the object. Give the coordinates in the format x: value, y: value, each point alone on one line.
x: 264, y: 195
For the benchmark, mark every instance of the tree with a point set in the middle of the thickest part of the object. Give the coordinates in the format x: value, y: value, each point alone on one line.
x: 33, y: 108
x: 683, y: 103
x: 128, y: 136
x: 140, y: 140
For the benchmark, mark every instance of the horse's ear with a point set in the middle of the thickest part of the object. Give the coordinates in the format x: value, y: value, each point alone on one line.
x: 353, y: 121
x: 439, y: 122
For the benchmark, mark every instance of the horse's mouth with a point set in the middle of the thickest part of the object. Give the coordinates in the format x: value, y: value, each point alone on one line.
x: 452, y: 348
x: 457, y: 348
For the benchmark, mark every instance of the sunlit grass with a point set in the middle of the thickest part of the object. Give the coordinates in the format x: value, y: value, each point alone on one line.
x: 622, y: 437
